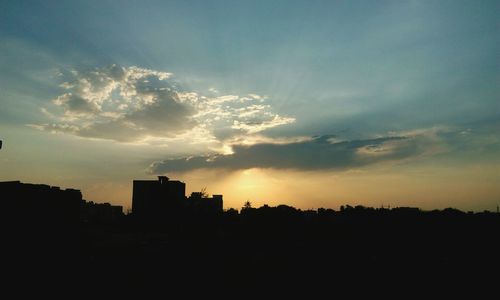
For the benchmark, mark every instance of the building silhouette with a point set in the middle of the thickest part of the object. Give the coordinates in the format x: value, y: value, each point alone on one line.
x: 201, y: 204
x: 91, y: 212
x: 26, y: 203
x: 154, y: 199
x: 165, y: 200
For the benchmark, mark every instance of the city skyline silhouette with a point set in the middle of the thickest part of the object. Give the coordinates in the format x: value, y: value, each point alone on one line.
x: 252, y: 246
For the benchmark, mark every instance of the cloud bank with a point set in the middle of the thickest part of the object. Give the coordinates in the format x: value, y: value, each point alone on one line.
x: 316, y: 153
x: 132, y: 104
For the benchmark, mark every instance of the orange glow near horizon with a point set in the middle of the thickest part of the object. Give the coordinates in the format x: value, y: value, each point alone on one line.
x: 372, y: 187
x: 313, y: 189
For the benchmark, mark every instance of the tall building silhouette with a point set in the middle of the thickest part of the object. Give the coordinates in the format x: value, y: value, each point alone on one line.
x: 153, y: 199
x: 165, y: 200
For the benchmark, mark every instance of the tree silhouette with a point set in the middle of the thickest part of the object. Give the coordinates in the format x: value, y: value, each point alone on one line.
x: 204, y: 193
x: 247, y: 205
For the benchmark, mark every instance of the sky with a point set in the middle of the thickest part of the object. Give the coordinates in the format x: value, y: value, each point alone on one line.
x: 305, y: 103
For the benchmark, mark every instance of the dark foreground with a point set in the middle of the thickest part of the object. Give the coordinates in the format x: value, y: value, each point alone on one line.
x: 281, y: 249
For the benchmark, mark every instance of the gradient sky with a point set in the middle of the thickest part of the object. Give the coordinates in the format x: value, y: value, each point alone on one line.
x: 306, y: 103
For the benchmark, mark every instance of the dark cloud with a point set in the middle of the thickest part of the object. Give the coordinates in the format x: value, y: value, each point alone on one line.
x: 316, y: 154
x: 164, y: 118
x: 76, y: 105
x: 167, y: 115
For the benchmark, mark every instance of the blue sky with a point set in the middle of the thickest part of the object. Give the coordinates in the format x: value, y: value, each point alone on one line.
x: 408, y: 83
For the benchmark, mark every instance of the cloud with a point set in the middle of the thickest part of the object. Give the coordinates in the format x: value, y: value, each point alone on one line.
x: 320, y: 152
x: 132, y: 104
x: 251, y: 126
x: 314, y: 154
x: 75, y: 104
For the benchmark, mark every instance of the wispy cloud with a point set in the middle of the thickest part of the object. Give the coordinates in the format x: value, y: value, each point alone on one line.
x: 132, y: 104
